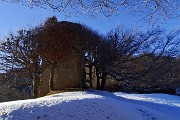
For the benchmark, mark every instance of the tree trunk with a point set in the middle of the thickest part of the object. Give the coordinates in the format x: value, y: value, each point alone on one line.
x: 36, y: 80
x: 51, y: 87
x: 90, y: 75
x: 34, y: 86
x: 83, y: 81
x: 103, y: 82
x: 98, y: 80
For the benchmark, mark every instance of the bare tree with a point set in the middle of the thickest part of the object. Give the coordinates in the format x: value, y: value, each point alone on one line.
x: 22, y: 52
x: 145, y: 52
x: 130, y: 55
x: 149, y: 8
x: 88, y: 47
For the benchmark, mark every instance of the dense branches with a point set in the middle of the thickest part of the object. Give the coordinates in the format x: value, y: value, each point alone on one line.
x: 123, y: 55
x: 130, y: 55
x: 22, y: 51
x: 149, y: 8
x: 150, y: 48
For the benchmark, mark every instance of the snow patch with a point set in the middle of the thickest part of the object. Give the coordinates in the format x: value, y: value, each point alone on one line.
x: 92, y: 105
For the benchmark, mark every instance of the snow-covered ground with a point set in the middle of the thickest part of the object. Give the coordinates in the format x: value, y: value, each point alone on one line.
x: 94, y: 105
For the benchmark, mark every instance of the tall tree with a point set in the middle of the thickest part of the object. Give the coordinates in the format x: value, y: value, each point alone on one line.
x: 53, y: 45
x: 121, y: 49
x: 59, y: 39
x: 22, y: 51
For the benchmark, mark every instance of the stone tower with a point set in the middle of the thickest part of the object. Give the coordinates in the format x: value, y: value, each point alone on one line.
x: 68, y: 74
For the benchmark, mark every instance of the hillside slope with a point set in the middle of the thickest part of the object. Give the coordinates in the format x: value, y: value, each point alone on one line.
x: 92, y: 105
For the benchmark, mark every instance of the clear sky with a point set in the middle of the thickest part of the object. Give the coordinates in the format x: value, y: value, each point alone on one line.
x: 16, y: 16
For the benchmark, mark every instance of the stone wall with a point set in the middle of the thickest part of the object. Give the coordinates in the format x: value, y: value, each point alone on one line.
x: 68, y: 74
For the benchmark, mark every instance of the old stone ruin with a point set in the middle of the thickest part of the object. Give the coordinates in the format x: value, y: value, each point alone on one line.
x: 68, y: 74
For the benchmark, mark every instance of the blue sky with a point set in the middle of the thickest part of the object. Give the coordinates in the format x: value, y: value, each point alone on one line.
x: 16, y: 16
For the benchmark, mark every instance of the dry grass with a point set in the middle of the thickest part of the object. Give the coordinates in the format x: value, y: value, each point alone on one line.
x: 66, y: 90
